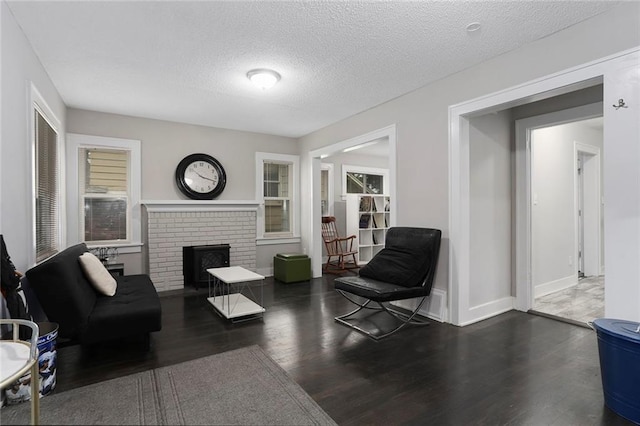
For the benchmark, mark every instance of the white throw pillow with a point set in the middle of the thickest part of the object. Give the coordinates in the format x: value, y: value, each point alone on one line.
x: 97, y: 274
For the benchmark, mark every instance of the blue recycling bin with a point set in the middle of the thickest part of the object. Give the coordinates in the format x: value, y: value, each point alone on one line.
x: 619, y: 349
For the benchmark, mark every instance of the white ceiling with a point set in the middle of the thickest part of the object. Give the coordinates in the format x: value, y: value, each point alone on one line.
x: 186, y: 61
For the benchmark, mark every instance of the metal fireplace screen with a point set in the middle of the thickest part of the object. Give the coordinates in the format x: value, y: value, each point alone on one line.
x: 197, y: 259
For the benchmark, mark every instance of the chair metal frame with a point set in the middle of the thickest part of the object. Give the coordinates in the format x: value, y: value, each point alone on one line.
x: 338, y: 248
x: 363, y: 290
x: 12, y: 347
x: 405, y: 318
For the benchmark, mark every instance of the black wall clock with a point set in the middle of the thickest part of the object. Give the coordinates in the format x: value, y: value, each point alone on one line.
x: 200, y: 177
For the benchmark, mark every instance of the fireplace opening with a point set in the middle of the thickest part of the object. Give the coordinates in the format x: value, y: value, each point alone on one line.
x: 197, y: 259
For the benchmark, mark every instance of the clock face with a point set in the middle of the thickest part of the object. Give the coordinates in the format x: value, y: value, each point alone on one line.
x: 200, y: 177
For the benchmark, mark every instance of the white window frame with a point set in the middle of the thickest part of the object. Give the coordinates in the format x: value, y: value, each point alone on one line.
x: 263, y: 238
x: 330, y: 190
x: 346, y: 168
x: 38, y: 103
x: 74, y: 143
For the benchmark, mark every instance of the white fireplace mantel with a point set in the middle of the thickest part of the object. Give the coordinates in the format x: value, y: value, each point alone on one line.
x: 200, y: 205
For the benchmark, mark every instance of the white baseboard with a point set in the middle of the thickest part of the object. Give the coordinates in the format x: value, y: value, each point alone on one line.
x: 488, y: 310
x: 553, y: 286
x: 435, y: 307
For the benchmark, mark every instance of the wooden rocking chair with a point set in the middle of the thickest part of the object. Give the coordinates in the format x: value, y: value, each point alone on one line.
x: 341, y: 254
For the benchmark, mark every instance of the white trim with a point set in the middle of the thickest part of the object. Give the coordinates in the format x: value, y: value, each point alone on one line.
x: 122, y: 248
x: 523, y: 128
x: 37, y: 102
x: 489, y: 309
x: 294, y: 160
x: 459, y: 225
x: 346, y: 168
x: 77, y: 141
x: 275, y: 241
x: 435, y: 307
x: 315, y: 241
x: 593, y: 151
x: 168, y: 206
x: 556, y: 285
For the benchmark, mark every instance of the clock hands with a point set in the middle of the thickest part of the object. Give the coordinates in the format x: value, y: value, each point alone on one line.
x: 204, y: 177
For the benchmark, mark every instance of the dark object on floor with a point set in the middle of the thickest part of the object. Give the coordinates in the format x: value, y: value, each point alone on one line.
x: 619, y: 349
x: 341, y: 253
x: 83, y: 314
x: 404, y: 269
x: 10, y: 284
x: 197, y: 259
x: 291, y: 267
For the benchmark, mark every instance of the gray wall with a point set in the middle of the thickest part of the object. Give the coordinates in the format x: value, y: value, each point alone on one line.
x: 165, y: 143
x: 589, y: 95
x: 490, y: 186
x: 20, y: 67
x: 421, y: 117
x: 553, y: 214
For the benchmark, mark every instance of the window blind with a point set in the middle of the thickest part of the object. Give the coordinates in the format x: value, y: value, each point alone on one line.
x: 47, y: 189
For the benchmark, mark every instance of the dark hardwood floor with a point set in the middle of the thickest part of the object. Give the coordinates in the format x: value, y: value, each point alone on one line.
x: 515, y: 369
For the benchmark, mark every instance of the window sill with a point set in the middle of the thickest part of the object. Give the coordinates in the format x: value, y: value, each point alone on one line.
x: 274, y: 241
x: 122, y: 248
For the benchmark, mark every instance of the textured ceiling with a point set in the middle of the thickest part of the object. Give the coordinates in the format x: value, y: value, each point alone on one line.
x: 187, y: 61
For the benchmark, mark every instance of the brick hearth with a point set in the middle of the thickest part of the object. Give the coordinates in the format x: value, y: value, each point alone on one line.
x: 171, y: 225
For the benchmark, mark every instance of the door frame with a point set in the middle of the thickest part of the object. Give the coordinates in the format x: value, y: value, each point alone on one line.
x: 591, y: 172
x: 460, y: 275
x: 523, y: 219
x: 315, y: 158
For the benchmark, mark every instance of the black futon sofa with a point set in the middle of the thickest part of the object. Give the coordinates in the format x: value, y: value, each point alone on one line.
x: 86, y: 316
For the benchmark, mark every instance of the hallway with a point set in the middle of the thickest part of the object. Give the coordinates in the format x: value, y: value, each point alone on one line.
x: 582, y: 303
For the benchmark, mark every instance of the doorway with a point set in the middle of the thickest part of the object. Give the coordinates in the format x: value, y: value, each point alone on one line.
x: 471, y: 299
x: 566, y: 226
x: 316, y: 158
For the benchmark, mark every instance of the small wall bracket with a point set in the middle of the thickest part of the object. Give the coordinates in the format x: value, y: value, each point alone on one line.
x: 621, y: 104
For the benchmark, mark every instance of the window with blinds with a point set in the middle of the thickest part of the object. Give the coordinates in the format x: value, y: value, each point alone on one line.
x: 104, y: 178
x: 47, y: 228
x: 277, y: 197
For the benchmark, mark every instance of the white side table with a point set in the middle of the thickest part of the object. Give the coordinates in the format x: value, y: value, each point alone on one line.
x: 235, y: 306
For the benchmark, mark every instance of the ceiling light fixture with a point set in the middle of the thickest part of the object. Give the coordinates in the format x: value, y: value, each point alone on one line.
x: 473, y: 27
x: 263, y: 78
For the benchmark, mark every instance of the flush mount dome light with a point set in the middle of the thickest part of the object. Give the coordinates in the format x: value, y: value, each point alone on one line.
x: 263, y: 78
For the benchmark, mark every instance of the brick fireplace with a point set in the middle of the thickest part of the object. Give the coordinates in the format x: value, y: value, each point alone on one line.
x: 168, y: 226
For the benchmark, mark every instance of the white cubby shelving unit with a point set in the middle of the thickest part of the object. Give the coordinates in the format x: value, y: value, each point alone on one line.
x: 368, y: 218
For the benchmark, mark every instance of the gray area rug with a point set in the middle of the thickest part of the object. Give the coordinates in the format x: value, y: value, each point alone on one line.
x: 239, y: 387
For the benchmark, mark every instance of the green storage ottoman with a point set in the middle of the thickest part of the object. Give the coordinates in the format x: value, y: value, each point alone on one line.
x: 291, y: 267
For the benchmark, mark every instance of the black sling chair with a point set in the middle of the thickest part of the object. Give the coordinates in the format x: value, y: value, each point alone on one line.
x: 404, y: 269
